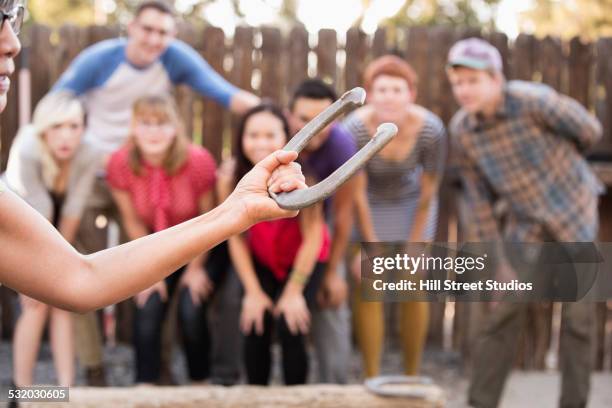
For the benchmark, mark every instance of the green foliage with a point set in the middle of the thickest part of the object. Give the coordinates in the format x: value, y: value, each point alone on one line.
x: 464, y: 13
x: 57, y: 12
x: 589, y: 19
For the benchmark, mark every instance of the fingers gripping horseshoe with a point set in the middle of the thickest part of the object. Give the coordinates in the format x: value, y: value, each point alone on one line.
x: 298, y: 199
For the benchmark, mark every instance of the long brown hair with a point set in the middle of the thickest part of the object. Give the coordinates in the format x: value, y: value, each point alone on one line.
x: 165, y: 110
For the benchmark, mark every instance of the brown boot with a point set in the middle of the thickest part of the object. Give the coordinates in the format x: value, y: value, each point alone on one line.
x: 96, y: 376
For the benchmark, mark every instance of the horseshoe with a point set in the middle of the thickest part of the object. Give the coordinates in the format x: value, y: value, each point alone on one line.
x: 419, y: 390
x: 298, y: 199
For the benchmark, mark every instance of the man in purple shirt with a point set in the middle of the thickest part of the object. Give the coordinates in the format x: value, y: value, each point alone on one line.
x: 322, y: 156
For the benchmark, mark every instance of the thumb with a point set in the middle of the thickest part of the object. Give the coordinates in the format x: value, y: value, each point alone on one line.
x: 277, y: 158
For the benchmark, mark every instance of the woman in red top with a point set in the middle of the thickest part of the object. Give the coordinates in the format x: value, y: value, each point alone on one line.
x: 280, y: 262
x: 160, y: 180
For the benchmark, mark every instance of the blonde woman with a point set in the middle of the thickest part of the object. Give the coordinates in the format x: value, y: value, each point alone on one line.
x: 53, y: 169
x: 159, y: 179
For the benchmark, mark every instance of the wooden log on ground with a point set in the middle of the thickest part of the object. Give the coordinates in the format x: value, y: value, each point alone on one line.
x: 313, y: 396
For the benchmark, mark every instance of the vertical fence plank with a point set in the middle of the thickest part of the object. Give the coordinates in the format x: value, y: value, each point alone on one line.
x: 551, y: 62
x: 417, y: 54
x: 297, y: 50
x: 213, y: 50
x: 185, y: 96
x: 500, y: 41
x: 379, y: 43
x: 72, y: 40
x: 99, y: 33
x: 580, y: 64
x: 42, y: 55
x: 523, y: 57
x: 604, y: 94
x: 356, y: 58
x: 326, y: 56
x: 242, y: 67
x: 441, y: 99
x: 271, y: 71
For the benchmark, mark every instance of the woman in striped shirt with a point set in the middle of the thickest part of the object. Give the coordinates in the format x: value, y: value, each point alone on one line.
x: 402, y: 186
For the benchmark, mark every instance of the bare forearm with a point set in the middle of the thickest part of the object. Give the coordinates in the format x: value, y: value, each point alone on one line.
x: 243, y: 101
x: 340, y: 238
x: 308, y: 253
x: 55, y: 273
x: 199, y: 260
x: 69, y: 227
x: 135, y: 229
x: 39, y: 263
x: 362, y: 209
x: 141, y: 263
x: 364, y: 218
x: 420, y: 220
x: 429, y: 190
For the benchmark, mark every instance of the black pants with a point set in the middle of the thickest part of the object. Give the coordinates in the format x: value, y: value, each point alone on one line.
x: 258, y: 358
x: 192, y: 319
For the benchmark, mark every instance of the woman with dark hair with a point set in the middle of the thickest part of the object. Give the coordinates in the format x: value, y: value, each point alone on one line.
x: 280, y: 263
x: 402, y: 195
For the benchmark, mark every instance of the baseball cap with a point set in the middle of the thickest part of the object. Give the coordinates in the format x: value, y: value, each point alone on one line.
x: 475, y: 53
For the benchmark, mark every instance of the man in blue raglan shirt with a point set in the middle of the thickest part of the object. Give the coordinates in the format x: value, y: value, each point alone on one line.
x: 108, y: 77
x: 112, y: 74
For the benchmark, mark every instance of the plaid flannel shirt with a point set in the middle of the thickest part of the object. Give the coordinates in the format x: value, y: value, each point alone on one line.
x: 529, y: 155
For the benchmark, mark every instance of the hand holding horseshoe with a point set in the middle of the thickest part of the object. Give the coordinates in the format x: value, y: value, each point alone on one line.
x: 298, y: 199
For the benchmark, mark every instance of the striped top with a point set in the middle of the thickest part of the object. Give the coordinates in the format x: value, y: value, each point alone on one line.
x: 394, y: 187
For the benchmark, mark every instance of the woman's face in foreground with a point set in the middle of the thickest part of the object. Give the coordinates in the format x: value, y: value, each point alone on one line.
x: 263, y: 134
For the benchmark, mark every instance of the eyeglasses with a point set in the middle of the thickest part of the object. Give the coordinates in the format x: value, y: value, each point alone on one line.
x: 14, y: 17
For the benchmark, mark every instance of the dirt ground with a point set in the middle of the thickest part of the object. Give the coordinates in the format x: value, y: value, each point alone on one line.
x: 524, y: 389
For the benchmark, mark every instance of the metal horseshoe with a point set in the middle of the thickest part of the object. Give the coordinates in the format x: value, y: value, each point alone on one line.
x: 298, y: 199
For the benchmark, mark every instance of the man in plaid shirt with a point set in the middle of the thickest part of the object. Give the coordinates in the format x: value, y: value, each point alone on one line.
x: 518, y: 149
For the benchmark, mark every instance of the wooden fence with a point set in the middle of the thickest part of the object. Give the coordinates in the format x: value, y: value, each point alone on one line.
x: 271, y: 64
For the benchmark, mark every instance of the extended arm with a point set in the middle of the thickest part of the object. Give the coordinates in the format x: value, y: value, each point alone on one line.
x: 38, y: 262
